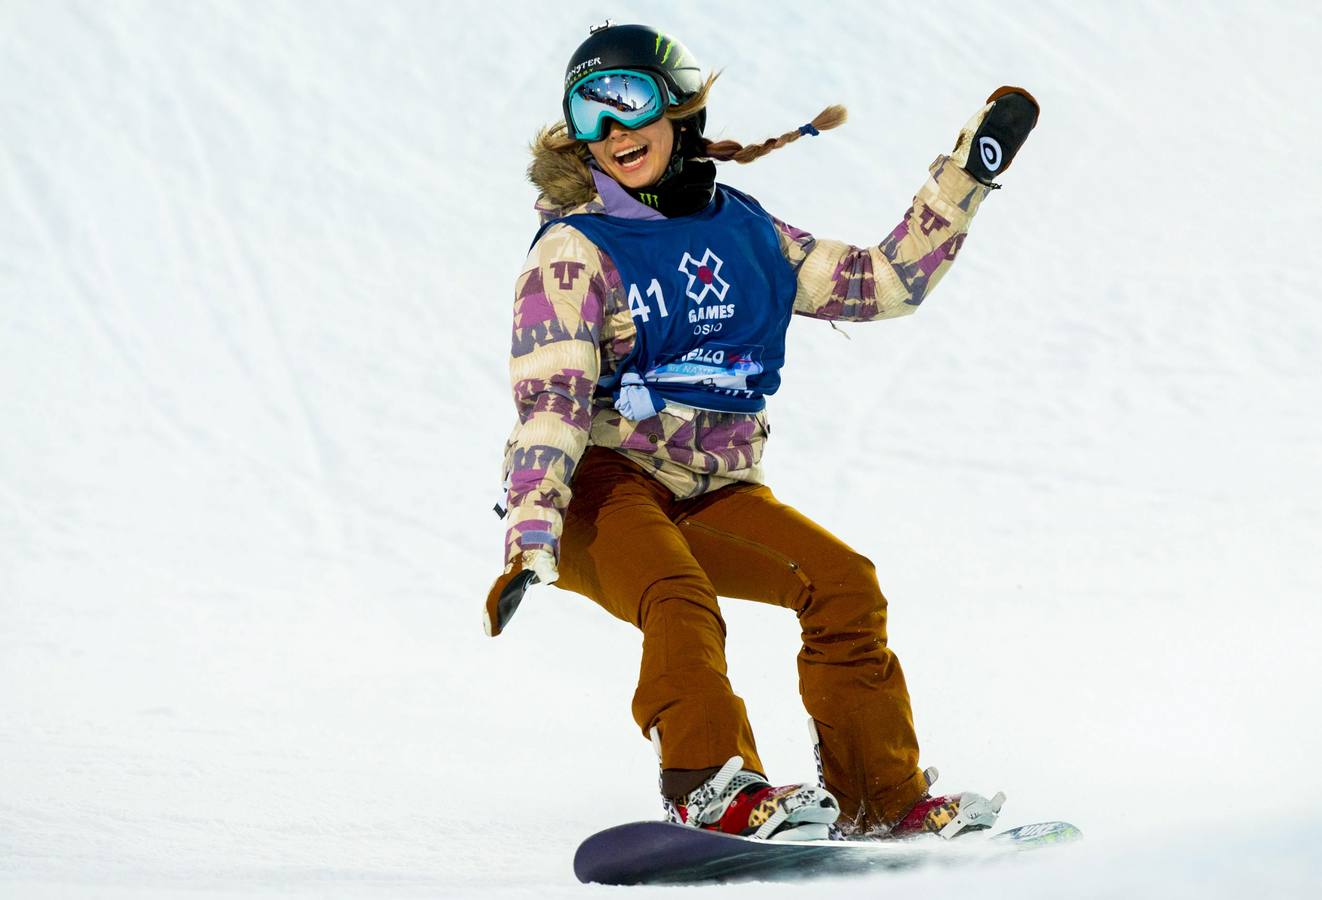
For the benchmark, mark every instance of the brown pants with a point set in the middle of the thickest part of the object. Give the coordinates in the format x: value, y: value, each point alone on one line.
x: 660, y: 563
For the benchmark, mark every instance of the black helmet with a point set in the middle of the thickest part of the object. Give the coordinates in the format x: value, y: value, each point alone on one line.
x: 637, y: 47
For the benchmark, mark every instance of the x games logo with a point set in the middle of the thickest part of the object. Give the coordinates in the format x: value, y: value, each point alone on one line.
x: 707, y: 272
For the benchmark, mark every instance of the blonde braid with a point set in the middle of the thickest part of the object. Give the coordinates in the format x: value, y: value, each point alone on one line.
x: 831, y: 117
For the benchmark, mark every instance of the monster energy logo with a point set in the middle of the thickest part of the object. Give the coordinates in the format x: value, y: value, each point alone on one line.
x: 670, y: 45
x: 587, y: 63
x: 650, y: 199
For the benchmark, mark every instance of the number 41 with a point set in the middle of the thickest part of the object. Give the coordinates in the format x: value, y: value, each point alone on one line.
x: 638, y: 309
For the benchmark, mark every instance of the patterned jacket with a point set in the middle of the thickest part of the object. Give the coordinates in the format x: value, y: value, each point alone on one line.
x: 572, y: 326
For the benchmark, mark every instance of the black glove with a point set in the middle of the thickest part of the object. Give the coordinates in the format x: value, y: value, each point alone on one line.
x: 988, y: 143
x: 535, y: 566
x: 504, y: 598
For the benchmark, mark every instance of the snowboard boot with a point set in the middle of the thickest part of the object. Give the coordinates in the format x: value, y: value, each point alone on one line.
x: 737, y: 801
x: 947, y: 816
x: 943, y: 816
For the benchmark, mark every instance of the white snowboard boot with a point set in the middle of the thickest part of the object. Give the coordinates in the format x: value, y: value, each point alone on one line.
x: 737, y: 801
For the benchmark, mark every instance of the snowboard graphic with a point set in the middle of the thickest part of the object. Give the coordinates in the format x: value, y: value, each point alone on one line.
x: 667, y: 853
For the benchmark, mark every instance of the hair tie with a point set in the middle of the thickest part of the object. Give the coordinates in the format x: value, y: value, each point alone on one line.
x: 808, y: 129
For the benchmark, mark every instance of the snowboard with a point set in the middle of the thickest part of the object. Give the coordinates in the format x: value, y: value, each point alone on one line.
x: 668, y: 853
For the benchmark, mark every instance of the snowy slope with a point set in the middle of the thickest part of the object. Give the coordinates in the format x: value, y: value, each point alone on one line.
x: 254, y: 311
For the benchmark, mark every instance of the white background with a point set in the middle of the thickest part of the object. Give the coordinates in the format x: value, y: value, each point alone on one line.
x: 256, y: 263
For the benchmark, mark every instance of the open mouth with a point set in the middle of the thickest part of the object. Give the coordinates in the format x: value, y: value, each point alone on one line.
x: 630, y: 159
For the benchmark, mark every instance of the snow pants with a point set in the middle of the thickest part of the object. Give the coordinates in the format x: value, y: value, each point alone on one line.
x: 660, y: 563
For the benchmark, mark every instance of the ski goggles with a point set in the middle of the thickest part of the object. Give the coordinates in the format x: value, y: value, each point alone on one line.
x: 632, y: 98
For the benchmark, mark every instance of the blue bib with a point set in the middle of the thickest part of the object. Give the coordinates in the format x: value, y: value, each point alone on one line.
x: 711, y: 296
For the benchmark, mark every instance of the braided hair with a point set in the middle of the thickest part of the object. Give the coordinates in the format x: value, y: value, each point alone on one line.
x: 831, y: 117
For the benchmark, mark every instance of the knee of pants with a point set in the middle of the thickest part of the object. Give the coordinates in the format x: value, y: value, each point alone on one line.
x: 845, y: 596
x: 683, y: 639
x: 680, y: 598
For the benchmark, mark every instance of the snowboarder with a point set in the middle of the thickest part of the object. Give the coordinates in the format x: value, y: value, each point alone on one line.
x: 649, y: 326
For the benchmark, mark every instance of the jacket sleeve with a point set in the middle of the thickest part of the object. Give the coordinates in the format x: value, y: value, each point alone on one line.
x: 554, y: 366
x: 860, y: 284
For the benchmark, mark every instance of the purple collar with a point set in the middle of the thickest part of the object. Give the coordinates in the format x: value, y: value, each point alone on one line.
x: 617, y: 201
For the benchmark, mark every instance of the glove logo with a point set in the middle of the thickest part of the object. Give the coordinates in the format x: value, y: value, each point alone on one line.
x: 991, y: 153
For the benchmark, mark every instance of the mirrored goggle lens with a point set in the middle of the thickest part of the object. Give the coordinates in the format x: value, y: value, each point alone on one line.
x: 633, y: 99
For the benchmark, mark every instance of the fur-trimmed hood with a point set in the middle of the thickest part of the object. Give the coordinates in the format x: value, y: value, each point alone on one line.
x: 562, y: 177
x: 569, y: 184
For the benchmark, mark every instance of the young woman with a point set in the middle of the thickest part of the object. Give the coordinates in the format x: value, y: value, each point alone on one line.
x: 649, y: 326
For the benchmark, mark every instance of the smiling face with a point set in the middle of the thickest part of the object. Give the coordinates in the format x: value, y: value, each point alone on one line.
x: 638, y: 158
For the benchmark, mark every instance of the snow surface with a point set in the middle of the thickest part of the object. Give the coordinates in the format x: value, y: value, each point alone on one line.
x: 255, y: 291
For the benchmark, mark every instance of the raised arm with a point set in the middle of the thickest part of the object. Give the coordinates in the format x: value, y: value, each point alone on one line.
x: 860, y: 284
